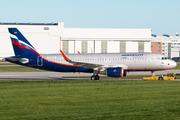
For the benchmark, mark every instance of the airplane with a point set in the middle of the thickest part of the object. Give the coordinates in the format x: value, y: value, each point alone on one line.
x: 110, y: 64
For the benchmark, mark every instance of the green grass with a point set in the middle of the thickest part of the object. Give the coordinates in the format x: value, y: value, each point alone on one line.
x: 178, y: 66
x: 52, y: 100
x: 17, y: 69
x: 7, y: 64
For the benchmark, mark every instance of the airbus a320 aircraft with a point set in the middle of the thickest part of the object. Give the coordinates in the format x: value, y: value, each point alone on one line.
x: 110, y: 64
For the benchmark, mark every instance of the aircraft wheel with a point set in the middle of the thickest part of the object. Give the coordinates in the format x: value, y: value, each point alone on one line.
x: 93, y: 77
x: 97, y: 77
x: 160, y: 78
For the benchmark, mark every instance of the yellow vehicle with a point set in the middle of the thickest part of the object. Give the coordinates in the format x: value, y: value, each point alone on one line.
x: 169, y: 76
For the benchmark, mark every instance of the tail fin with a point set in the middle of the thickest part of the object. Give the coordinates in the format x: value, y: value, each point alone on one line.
x: 20, y: 44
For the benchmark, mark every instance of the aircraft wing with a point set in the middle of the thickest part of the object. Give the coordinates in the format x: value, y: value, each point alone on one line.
x: 87, y: 65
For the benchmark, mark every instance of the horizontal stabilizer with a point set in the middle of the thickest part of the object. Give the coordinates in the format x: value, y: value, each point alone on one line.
x: 22, y: 60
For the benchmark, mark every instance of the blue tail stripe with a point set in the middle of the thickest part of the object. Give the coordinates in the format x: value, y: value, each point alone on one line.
x: 17, y: 33
x: 14, y: 39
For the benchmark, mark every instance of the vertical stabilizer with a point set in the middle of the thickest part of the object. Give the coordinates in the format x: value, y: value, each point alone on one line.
x: 20, y: 43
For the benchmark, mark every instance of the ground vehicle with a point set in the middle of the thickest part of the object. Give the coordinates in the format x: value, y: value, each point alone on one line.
x: 169, y: 76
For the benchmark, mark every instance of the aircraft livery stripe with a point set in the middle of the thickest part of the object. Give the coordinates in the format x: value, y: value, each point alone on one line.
x: 62, y: 63
x: 25, y: 47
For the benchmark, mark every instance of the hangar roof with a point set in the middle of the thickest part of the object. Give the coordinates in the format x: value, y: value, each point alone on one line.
x: 1, y: 23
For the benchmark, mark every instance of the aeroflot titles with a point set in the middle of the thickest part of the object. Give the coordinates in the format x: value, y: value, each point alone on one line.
x: 132, y: 55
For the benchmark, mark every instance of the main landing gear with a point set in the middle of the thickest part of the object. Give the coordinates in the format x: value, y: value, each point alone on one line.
x: 95, y: 75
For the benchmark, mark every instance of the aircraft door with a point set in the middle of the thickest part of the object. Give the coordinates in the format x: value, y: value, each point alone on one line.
x: 39, y: 61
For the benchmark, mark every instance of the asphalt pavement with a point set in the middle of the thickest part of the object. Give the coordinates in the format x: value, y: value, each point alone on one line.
x: 46, y: 75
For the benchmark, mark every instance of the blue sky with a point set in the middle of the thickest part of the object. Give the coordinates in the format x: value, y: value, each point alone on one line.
x: 162, y: 16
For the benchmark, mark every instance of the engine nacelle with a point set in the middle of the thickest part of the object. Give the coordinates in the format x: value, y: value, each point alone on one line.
x: 114, y: 72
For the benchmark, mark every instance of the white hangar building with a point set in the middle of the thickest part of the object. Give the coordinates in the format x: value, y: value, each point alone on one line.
x: 49, y: 38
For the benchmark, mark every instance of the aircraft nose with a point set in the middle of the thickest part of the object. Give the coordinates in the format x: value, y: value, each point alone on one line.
x: 173, y: 64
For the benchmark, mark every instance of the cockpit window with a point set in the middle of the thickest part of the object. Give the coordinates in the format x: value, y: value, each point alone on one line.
x: 165, y: 58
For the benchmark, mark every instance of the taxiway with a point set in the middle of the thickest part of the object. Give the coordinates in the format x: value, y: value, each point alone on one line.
x: 64, y: 76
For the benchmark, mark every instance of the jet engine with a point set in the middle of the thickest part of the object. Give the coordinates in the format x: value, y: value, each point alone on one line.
x: 114, y: 72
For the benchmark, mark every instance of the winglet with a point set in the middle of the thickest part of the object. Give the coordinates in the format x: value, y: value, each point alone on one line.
x: 64, y: 56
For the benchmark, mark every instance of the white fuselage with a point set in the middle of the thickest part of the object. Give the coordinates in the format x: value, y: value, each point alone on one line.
x: 129, y: 61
